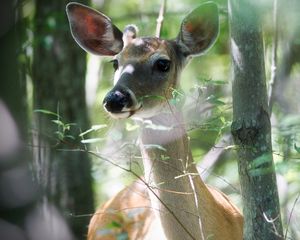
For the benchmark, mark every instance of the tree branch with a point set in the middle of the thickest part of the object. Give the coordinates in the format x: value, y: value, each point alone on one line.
x: 160, y: 18
x: 213, y: 156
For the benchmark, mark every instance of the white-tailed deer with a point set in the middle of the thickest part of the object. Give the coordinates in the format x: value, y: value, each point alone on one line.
x: 147, y: 67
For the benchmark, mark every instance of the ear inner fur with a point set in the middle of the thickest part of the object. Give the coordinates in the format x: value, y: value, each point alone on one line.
x: 199, y: 30
x: 93, y: 31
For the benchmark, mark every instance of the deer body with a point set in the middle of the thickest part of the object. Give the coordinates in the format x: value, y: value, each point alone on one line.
x: 185, y: 208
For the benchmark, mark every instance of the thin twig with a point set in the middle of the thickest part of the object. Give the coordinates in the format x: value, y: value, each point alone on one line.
x: 273, y: 79
x: 197, y: 204
x: 213, y: 156
x: 272, y: 221
x: 292, y: 210
x: 109, y: 211
x: 160, y: 18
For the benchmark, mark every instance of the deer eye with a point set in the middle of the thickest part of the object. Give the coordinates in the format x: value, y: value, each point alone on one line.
x: 115, y: 64
x: 163, y: 65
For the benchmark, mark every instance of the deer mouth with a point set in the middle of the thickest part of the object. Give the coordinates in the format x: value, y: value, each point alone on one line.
x: 124, y: 113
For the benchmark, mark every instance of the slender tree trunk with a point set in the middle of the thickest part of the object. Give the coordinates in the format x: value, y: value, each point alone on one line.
x: 15, y: 178
x: 20, y: 211
x: 13, y: 83
x: 59, y: 69
x: 251, y: 127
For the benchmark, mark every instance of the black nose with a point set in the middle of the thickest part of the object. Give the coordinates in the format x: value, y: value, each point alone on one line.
x: 116, y: 100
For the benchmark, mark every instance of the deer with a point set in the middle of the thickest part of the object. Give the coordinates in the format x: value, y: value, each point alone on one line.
x: 173, y: 201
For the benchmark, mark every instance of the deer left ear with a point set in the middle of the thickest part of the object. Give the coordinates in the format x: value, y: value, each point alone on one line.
x: 199, y: 29
x: 94, y: 31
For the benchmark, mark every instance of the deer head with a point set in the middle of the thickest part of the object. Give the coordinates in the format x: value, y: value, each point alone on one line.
x: 146, y: 68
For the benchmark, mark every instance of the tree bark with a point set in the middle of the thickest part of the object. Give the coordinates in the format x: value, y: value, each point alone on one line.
x: 59, y: 68
x: 251, y: 127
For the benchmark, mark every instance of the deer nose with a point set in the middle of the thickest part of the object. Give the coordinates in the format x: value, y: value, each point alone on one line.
x: 115, y: 101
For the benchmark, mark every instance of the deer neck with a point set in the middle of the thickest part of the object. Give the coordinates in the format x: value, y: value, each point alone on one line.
x: 169, y: 169
x: 165, y: 148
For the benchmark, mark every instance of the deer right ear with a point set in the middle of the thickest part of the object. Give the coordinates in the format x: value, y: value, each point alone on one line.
x: 94, y: 31
x: 199, y: 29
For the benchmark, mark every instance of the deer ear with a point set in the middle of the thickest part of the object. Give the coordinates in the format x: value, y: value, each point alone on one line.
x: 94, y: 31
x: 199, y: 29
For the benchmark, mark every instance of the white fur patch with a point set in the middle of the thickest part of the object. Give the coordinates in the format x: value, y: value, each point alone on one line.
x: 117, y: 75
x: 138, y: 42
x: 129, y: 69
x: 119, y: 115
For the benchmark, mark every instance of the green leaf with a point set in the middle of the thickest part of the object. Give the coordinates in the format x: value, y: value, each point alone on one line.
x: 60, y: 135
x: 58, y: 122
x: 115, y: 224
x: 156, y: 97
x: 297, y: 148
x: 214, y: 100
x: 223, y: 120
x: 92, y: 140
x: 164, y: 157
x: 93, y: 129
x: 150, y: 125
x: 85, y: 132
x: 70, y: 136
x: 217, y: 82
x: 149, y: 146
x: 230, y: 147
x: 46, y: 112
x: 98, y: 127
x: 131, y: 127
x: 177, y: 97
x: 259, y: 161
x: 261, y: 171
x: 176, y: 93
x: 211, y: 82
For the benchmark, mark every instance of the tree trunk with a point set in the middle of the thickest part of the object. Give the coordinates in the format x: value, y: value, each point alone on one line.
x: 251, y: 127
x: 59, y: 68
x: 17, y: 196
x: 13, y: 83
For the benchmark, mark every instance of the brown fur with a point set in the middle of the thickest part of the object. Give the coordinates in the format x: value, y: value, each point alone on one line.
x: 137, y: 226
x: 130, y: 211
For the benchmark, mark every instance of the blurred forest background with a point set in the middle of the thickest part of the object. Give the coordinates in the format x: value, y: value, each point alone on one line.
x: 54, y: 91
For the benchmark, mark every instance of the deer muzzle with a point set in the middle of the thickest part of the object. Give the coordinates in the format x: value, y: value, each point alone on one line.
x: 120, y: 102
